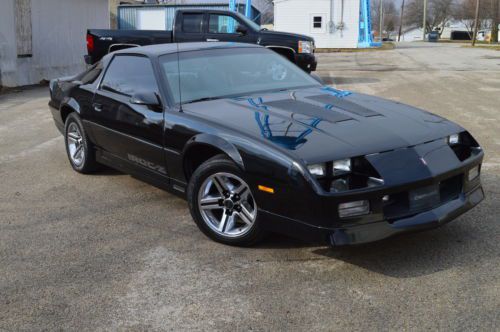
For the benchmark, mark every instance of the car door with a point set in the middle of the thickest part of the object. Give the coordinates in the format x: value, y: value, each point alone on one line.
x: 190, y: 28
x: 222, y: 27
x: 126, y: 130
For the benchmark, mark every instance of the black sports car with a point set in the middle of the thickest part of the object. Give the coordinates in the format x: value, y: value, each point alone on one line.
x: 255, y: 144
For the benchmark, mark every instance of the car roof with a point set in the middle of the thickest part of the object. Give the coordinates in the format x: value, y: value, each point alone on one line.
x: 162, y: 49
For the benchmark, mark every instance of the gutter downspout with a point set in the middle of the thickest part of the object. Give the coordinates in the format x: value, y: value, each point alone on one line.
x: 331, y: 25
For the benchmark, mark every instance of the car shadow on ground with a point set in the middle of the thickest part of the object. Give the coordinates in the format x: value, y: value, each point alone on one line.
x: 107, y: 171
x: 403, y: 256
x: 412, y: 254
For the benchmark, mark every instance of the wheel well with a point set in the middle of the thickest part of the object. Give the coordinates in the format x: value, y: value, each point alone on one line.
x: 284, y: 52
x: 197, y: 155
x: 65, y: 111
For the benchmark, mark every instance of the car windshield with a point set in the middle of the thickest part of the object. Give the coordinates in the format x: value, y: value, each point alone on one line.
x: 230, y: 72
x: 248, y: 21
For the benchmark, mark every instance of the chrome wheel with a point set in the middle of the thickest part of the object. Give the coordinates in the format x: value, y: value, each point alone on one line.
x: 76, y: 148
x: 227, y: 205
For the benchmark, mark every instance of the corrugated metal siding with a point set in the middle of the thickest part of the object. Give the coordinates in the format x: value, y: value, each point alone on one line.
x: 127, y: 15
x: 127, y: 18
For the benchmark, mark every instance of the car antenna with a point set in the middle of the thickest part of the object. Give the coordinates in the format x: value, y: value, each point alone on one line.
x: 179, y: 75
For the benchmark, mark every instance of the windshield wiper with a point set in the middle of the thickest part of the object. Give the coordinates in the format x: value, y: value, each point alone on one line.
x: 200, y: 100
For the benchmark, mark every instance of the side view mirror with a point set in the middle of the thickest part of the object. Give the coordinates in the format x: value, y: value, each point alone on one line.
x: 242, y: 30
x: 145, y: 98
x: 317, y: 78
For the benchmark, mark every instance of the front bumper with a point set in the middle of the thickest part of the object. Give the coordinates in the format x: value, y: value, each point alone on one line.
x: 396, y: 207
x: 378, y: 230
x: 425, y: 220
x: 307, y: 62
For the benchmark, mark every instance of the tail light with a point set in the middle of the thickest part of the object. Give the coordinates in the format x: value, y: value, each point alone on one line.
x: 90, y: 43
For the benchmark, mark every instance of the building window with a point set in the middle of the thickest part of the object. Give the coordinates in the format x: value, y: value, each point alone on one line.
x: 317, y: 22
x: 23, y: 28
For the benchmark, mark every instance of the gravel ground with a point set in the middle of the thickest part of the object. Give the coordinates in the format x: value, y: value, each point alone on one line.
x: 107, y: 252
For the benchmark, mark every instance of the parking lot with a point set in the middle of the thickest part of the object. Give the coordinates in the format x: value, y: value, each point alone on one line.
x: 106, y: 251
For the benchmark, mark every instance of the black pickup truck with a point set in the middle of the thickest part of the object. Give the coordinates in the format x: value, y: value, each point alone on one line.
x: 205, y: 25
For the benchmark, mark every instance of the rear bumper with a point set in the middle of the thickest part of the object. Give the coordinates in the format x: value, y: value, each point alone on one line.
x: 88, y: 59
x: 374, y: 231
x: 56, y: 115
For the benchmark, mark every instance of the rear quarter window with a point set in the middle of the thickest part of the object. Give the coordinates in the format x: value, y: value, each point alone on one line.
x: 92, y: 74
x: 191, y: 22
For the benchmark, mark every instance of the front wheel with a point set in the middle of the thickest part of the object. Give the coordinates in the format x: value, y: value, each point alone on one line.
x: 222, y: 204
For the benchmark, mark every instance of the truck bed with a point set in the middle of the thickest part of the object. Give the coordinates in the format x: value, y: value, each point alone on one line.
x: 102, y: 41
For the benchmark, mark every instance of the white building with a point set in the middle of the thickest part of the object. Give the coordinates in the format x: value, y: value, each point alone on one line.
x: 41, y: 40
x: 332, y: 23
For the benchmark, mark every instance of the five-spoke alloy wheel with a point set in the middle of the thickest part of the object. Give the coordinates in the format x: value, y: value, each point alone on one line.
x: 227, y: 205
x: 80, y: 151
x: 75, y: 144
x: 222, y: 203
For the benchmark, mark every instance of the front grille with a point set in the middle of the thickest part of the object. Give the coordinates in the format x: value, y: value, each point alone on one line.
x: 408, y: 203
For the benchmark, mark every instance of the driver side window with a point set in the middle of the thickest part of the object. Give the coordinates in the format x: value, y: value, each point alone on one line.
x: 222, y: 24
x: 129, y: 74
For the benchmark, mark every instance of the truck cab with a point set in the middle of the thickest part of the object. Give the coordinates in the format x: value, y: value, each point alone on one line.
x: 202, y: 25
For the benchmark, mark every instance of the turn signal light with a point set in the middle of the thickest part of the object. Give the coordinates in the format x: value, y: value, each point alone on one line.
x: 266, y: 189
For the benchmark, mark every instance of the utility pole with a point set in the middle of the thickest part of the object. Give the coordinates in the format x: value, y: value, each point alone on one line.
x: 495, y: 21
x: 381, y: 18
x: 424, y: 23
x: 476, y: 22
x: 401, y: 19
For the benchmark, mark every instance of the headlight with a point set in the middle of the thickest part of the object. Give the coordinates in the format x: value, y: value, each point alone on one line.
x: 317, y: 169
x: 454, y: 139
x: 305, y: 47
x: 346, y: 174
x: 341, y: 167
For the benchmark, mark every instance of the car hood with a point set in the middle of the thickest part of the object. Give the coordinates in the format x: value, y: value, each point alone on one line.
x: 324, y: 124
x: 279, y: 34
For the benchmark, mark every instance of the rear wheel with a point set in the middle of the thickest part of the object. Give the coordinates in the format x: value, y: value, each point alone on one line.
x: 80, y: 151
x: 222, y: 203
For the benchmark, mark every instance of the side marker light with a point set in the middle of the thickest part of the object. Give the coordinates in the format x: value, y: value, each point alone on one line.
x: 266, y: 189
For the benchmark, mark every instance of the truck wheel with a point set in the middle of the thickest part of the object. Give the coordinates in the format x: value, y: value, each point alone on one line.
x: 80, y: 151
x: 222, y: 204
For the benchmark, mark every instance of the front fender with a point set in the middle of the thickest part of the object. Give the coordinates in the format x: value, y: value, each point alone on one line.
x: 218, y: 143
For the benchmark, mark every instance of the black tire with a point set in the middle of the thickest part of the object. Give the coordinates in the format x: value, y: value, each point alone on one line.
x: 218, y: 164
x: 88, y: 163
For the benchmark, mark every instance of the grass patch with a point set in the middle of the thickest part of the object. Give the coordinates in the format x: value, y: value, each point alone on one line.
x: 492, y: 47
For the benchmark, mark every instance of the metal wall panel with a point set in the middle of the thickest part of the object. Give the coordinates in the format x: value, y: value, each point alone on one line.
x: 127, y: 18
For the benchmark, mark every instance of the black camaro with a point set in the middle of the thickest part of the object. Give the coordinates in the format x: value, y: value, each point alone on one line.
x: 255, y: 144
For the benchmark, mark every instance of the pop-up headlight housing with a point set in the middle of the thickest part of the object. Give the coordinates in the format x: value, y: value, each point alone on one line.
x: 464, y: 145
x: 346, y: 174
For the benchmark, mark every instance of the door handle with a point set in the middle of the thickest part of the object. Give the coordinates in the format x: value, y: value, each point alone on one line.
x: 212, y: 40
x: 97, y: 107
